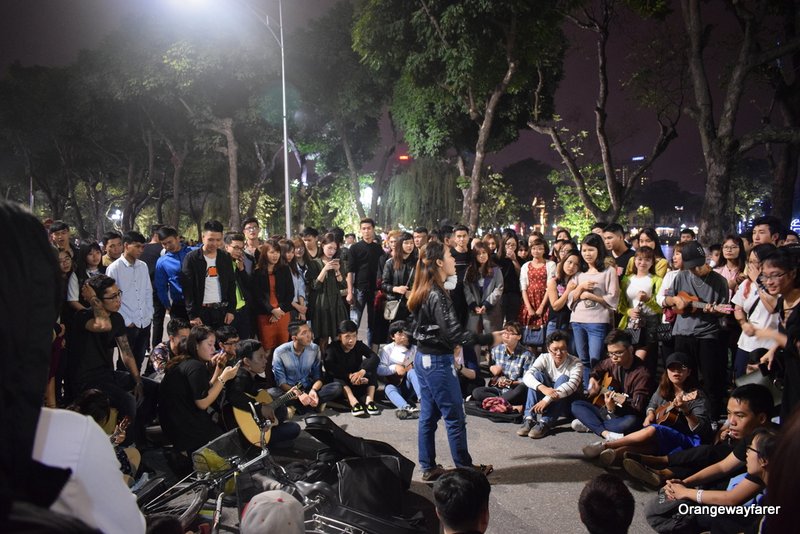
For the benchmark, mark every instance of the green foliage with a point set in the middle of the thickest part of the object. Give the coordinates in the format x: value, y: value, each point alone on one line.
x: 423, y: 194
x: 575, y: 215
x: 500, y: 206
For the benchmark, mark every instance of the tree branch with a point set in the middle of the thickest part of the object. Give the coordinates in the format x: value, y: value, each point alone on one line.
x: 768, y: 134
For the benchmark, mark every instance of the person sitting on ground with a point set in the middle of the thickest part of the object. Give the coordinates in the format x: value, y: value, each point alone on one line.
x: 188, y: 390
x: 396, y: 368
x: 298, y: 362
x: 178, y: 329
x: 749, y: 407
x: 623, y: 406
x: 352, y: 364
x: 96, y: 405
x: 679, y: 394
x: 554, y: 381
x: 744, y: 491
x: 461, y: 497
x: 606, y: 505
x: 227, y: 340
x: 241, y: 390
x: 511, y: 361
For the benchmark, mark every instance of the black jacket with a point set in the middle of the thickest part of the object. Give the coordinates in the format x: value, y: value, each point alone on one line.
x: 437, y: 328
x: 284, y: 290
x: 392, y: 277
x: 193, y: 280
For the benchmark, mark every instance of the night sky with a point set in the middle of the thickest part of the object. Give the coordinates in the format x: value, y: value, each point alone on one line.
x: 50, y: 32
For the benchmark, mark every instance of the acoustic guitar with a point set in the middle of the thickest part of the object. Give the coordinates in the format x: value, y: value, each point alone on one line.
x: 607, y: 385
x: 668, y: 414
x: 251, y: 421
x: 694, y: 303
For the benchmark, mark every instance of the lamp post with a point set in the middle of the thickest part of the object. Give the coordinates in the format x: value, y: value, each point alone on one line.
x: 264, y: 19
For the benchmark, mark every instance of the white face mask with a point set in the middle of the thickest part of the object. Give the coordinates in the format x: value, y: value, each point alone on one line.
x: 451, y: 282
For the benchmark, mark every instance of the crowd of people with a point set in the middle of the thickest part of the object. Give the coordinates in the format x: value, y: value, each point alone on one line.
x: 670, y: 355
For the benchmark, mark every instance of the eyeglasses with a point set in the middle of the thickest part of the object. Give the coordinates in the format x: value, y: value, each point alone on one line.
x: 231, y: 342
x: 771, y: 277
x: 236, y: 247
x: 558, y: 351
x: 64, y: 261
x: 617, y: 353
x: 754, y: 450
x: 115, y: 296
x: 510, y: 333
x: 250, y: 228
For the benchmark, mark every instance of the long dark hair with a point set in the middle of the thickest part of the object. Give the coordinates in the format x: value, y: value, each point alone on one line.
x: 595, y: 241
x: 85, y: 248
x: 560, y: 275
x: 426, y: 274
x: 501, y: 250
x: 397, y: 253
x: 263, y: 261
x: 786, y: 259
x: 667, y: 391
x: 286, y: 247
x: 475, y: 271
x: 188, y: 346
x: 741, y: 261
x: 653, y: 235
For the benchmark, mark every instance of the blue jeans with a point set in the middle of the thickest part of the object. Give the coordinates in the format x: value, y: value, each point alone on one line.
x: 589, y: 344
x: 408, y: 389
x: 440, y: 397
x: 362, y: 299
x: 591, y: 416
x: 556, y: 409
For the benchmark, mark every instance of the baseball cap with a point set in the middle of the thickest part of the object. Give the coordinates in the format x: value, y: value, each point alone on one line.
x: 273, y: 512
x: 679, y: 357
x: 693, y: 254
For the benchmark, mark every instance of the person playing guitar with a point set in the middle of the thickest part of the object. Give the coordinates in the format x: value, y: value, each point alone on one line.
x: 677, y: 416
x: 699, y: 334
x: 243, y: 388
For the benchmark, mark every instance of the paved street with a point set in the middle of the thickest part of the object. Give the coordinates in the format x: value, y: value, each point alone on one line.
x: 535, y: 482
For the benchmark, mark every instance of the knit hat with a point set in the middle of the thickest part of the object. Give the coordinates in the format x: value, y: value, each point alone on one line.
x: 273, y: 512
x: 693, y: 255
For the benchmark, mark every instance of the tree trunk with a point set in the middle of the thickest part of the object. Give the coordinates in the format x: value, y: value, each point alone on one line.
x: 784, y: 183
x: 717, y: 217
x: 178, y: 160
x: 355, y: 186
x: 224, y: 127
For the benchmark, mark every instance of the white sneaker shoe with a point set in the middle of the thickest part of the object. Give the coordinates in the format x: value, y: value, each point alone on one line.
x: 577, y: 426
x: 593, y: 450
x: 612, y: 436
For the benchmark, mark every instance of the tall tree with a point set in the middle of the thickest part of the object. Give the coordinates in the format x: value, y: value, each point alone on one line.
x: 460, y: 61
x: 599, y: 18
x: 756, y: 35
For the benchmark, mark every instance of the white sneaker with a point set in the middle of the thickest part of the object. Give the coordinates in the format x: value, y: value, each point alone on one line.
x: 577, y: 426
x: 593, y: 450
x: 612, y: 436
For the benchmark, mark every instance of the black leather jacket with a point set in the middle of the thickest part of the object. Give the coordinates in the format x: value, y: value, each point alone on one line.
x: 403, y: 277
x: 437, y: 328
x: 193, y: 280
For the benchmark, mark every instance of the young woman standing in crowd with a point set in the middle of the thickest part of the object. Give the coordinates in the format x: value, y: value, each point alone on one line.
x: 533, y: 280
x: 638, y: 305
x: 755, y: 308
x: 88, y: 263
x: 325, y: 280
x: 188, y: 390
x: 483, y: 289
x: 490, y: 240
x: 298, y: 279
x: 273, y: 292
x: 510, y: 266
x: 779, y: 274
x: 398, y: 273
x: 558, y: 290
x: 593, y: 302
x: 437, y: 333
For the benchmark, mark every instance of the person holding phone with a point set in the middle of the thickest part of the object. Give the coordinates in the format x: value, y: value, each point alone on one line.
x: 326, y: 279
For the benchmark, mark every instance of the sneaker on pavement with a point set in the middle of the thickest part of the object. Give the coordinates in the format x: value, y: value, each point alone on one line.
x: 577, y: 426
x: 539, y: 431
x: 593, y: 450
x: 642, y: 473
x: 608, y: 457
x: 612, y: 436
x: 407, y: 412
x: 373, y: 409
x: 359, y: 411
x: 526, y: 427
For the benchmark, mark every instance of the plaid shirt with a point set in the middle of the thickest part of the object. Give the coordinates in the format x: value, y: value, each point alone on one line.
x: 514, y: 365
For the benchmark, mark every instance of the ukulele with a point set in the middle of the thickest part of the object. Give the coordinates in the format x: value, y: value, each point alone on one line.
x: 694, y: 303
x: 251, y: 421
x: 607, y: 385
x: 668, y: 414
x: 122, y: 426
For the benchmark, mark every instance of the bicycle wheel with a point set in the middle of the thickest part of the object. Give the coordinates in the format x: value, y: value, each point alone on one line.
x: 183, y: 502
